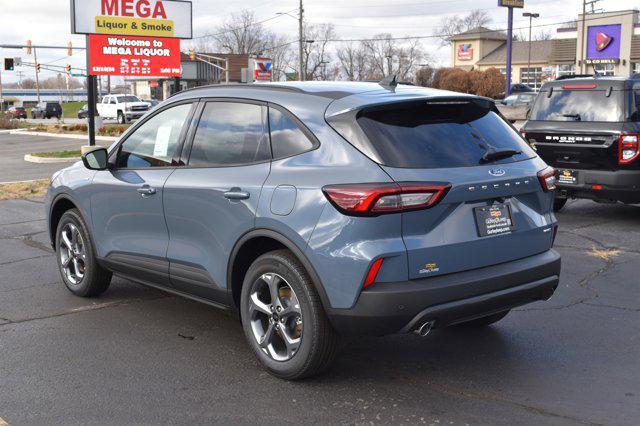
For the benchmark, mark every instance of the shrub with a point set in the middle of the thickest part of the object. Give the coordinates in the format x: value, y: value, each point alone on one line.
x: 489, y: 83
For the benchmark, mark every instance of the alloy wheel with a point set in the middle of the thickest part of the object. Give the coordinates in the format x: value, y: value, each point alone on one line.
x: 73, y: 254
x: 275, y: 317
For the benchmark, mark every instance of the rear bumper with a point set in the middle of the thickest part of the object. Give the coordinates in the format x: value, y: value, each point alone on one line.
x: 387, y: 308
x: 620, y: 185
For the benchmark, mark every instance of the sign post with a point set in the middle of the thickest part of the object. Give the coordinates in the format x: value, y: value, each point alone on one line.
x: 509, y: 4
x: 130, y: 38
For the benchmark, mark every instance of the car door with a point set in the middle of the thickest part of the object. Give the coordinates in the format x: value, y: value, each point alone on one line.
x: 212, y: 202
x: 126, y: 205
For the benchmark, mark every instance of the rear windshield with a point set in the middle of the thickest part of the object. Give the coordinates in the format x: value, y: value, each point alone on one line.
x: 579, y: 105
x: 439, y: 135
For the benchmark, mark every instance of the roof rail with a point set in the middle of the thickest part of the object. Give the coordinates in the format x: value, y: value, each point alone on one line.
x: 241, y: 85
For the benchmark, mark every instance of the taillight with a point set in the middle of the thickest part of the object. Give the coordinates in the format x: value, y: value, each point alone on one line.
x: 628, y: 148
x: 547, y: 179
x: 523, y: 133
x: 373, y: 199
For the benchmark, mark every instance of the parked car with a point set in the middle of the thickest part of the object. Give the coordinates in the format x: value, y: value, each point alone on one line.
x: 153, y: 103
x: 83, y: 112
x: 47, y: 110
x: 17, y: 112
x: 315, y: 210
x: 516, y: 107
x: 123, y: 108
x: 517, y: 88
x: 588, y: 128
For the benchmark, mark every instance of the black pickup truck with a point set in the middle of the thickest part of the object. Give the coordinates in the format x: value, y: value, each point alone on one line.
x: 588, y: 129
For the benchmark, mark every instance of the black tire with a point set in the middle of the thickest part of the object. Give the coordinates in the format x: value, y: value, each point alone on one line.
x: 121, y: 118
x: 484, y: 321
x: 318, y: 342
x: 558, y: 204
x: 95, y: 279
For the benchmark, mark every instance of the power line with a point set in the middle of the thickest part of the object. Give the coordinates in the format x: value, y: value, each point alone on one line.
x: 243, y: 27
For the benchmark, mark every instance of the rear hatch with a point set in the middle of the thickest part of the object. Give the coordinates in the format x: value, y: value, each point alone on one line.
x: 578, y: 126
x: 495, y: 209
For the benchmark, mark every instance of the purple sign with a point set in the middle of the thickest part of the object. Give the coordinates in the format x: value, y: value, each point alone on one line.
x: 603, y: 42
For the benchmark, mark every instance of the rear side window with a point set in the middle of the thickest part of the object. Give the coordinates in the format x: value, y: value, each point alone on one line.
x: 579, y: 105
x: 287, y: 139
x: 230, y: 134
x: 438, y: 135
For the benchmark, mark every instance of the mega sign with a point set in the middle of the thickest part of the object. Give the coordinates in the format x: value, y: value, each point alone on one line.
x: 134, y: 56
x: 465, y: 52
x: 603, y: 42
x: 161, y: 18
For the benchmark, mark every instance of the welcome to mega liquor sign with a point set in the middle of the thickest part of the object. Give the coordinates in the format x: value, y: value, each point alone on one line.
x: 159, y: 18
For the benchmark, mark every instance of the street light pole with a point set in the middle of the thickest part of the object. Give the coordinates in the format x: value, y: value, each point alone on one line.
x: 530, y: 16
x: 302, y: 75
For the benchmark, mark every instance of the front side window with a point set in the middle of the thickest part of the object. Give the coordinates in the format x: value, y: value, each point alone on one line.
x: 230, y: 134
x: 155, y: 142
x: 287, y: 139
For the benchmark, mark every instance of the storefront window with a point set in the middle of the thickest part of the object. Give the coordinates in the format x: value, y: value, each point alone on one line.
x: 604, y: 69
x: 635, y: 68
x: 566, y: 70
x: 531, y: 77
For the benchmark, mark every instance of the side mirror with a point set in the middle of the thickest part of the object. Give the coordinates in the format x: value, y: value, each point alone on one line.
x: 95, y: 158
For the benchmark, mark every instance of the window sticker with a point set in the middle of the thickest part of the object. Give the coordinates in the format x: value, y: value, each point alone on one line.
x: 161, y: 147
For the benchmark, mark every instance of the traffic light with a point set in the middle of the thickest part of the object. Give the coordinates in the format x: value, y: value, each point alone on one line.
x: 37, y: 67
x: 69, y: 49
x: 28, y: 47
x: 9, y: 64
x: 68, y: 69
x: 192, y: 54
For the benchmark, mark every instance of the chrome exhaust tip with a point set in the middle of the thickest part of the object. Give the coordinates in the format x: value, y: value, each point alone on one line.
x: 424, y: 329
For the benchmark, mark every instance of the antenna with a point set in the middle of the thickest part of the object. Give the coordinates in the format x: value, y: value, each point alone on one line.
x: 390, y: 82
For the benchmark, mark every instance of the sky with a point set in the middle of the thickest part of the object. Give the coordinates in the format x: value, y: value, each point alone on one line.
x: 48, y: 21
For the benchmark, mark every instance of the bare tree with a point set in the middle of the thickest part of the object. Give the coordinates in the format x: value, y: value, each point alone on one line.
x: 452, y: 25
x: 315, y: 52
x: 388, y: 56
x: 353, y: 61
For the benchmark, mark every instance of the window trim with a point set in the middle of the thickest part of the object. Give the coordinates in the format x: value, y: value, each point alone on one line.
x: 188, y: 145
x: 315, y: 143
x: 113, y: 154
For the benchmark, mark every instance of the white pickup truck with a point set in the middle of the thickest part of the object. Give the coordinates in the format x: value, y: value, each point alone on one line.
x: 124, y: 108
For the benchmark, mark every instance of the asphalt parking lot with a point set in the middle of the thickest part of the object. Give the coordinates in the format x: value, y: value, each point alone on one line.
x: 137, y: 355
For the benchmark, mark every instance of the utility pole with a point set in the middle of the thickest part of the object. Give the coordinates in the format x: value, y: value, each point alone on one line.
x: 535, y: 78
x: 507, y: 90
x: 35, y: 60
x: 91, y: 100
x: 302, y: 75
x: 1, y: 98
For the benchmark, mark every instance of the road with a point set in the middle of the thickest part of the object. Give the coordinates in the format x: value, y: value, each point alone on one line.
x: 14, y: 147
x: 137, y: 355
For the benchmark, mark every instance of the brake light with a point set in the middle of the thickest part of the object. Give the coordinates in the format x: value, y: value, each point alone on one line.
x: 579, y: 86
x: 373, y: 273
x: 374, y: 199
x: 628, y: 148
x: 547, y: 179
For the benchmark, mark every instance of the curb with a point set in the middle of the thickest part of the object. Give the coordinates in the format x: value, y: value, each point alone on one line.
x: 49, y: 160
x: 62, y: 135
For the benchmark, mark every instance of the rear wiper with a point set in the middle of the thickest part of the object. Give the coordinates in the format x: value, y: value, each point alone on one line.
x: 493, y: 155
x: 576, y: 116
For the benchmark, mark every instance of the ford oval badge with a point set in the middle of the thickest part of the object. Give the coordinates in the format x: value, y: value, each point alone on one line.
x: 497, y: 172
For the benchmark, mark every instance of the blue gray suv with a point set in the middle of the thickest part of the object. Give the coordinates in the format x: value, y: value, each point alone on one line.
x: 315, y: 210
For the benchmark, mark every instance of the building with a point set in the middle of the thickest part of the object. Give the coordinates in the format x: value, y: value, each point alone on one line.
x: 610, y: 42
x: 194, y: 73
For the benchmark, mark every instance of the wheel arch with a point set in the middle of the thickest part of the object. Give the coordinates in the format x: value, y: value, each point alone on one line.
x: 255, y: 243
x: 59, y: 206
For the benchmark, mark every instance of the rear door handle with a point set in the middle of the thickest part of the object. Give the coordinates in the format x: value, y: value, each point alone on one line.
x: 236, y: 194
x: 146, y: 191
